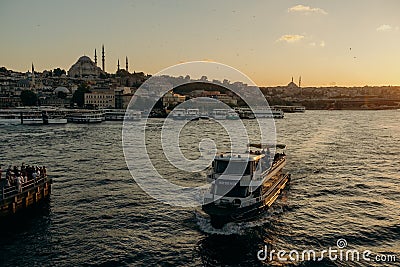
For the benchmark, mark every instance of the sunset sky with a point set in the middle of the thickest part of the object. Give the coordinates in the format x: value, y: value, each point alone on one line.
x: 353, y: 42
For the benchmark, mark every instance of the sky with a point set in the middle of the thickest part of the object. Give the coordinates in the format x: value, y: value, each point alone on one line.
x: 341, y: 42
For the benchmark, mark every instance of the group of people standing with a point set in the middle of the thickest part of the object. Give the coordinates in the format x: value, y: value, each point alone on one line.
x: 16, y: 176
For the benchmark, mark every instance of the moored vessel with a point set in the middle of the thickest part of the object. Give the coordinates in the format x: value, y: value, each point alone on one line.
x: 244, y: 185
x: 87, y: 116
x: 192, y: 113
x: 179, y: 114
x: 54, y: 117
x: 219, y: 114
x: 291, y: 109
x: 232, y: 115
x: 122, y: 114
x: 269, y: 113
x: 224, y: 114
x: 32, y: 116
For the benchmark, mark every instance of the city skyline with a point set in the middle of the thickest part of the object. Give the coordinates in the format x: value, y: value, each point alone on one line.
x: 326, y: 43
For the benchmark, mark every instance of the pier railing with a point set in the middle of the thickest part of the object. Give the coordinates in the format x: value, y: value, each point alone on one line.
x: 11, y: 191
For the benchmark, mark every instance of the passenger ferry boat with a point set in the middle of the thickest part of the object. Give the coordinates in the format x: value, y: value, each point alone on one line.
x: 237, y: 196
x: 31, y: 117
x: 122, y: 114
x: 89, y: 116
x: 245, y: 113
x: 192, y: 113
x: 291, y: 109
x: 186, y: 114
x: 232, y: 115
x: 179, y: 114
x: 9, y: 117
x: 133, y: 116
x: 269, y: 113
x: 219, y: 114
x: 54, y: 117
x: 224, y: 114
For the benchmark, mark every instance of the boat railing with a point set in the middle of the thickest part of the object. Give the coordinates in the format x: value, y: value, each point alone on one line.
x: 261, y: 198
x: 12, y: 190
x: 260, y: 175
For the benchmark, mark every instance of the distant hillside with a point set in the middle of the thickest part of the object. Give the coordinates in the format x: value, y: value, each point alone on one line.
x: 186, y: 89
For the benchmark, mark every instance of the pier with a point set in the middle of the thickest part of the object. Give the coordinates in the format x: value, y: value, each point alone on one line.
x: 32, y: 192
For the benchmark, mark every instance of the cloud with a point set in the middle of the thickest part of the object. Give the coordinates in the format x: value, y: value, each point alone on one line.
x: 322, y: 44
x: 307, y: 10
x: 290, y: 38
x: 386, y: 28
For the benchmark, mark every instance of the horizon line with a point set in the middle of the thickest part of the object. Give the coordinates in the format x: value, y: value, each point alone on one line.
x: 271, y: 85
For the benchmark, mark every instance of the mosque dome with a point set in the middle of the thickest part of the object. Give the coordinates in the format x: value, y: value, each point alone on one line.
x: 292, y: 84
x: 84, y: 59
x: 61, y: 89
x: 84, y: 67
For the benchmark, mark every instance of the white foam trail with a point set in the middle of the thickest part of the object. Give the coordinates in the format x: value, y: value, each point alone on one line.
x: 235, y: 228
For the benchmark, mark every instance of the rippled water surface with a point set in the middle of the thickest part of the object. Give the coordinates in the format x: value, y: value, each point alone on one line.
x: 345, y: 184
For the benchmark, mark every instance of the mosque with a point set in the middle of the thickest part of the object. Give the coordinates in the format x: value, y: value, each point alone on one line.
x: 85, y: 67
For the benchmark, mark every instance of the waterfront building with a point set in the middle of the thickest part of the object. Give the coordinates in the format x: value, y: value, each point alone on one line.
x: 229, y: 100
x: 172, y: 99
x: 98, y: 99
x: 123, y: 96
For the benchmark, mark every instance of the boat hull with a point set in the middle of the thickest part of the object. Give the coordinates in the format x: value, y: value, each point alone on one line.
x: 223, y: 214
x: 33, y: 121
x: 85, y: 120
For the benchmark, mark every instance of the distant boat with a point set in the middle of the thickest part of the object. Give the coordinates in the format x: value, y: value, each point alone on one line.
x: 31, y: 117
x: 219, y: 114
x: 290, y: 109
x: 94, y: 116
x: 185, y: 114
x: 179, y: 114
x: 268, y: 113
x: 224, y: 114
x: 122, y: 114
x: 9, y: 117
x: 232, y: 115
x: 54, y: 117
x: 192, y: 113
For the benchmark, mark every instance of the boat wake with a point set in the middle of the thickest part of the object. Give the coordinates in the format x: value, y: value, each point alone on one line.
x: 238, y: 227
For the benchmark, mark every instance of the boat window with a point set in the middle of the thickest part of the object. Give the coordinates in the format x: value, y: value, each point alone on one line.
x: 234, y: 167
x: 263, y: 164
x: 236, y: 191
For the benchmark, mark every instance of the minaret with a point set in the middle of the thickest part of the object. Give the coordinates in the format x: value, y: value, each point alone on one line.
x: 126, y: 64
x: 300, y: 81
x: 33, y: 75
x: 103, y: 58
x: 95, y: 57
x: 292, y: 78
x: 118, y: 65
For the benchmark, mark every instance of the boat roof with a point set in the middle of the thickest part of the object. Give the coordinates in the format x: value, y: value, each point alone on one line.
x: 249, y: 155
x: 239, y: 156
x: 265, y: 146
